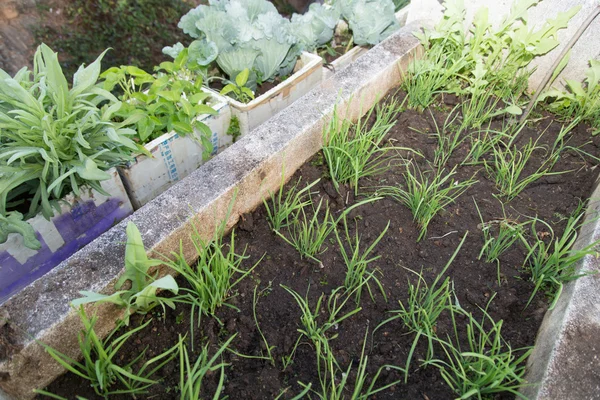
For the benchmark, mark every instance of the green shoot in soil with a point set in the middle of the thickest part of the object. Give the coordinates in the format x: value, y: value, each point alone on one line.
x: 99, y: 364
x: 482, y: 142
x: 499, y: 235
x: 191, y: 376
x: 260, y: 332
x: 554, y: 263
x: 210, y: 279
x: 426, y: 198
x: 488, y: 367
x: 282, y: 210
x: 508, y: 167
x: 448, y: 138
x: 355, y: 151
x: 357, y: 263
x: 424, y: 306
x: 334, y: 388
x: 307, y: 234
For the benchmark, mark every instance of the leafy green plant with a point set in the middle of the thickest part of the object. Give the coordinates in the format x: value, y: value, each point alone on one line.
x: 424, y: 306
x: 191, y: 376
x: 238, y: 88
x: 357, y: 262
x: 54, y: 139
x: 425, y: 197
x: 554, y: 263
x: 487, y: 367
x: 355, y: 151
x: 509, y: 164
x: 100, y: 365
x: 282, y: 210
x: 142, y: 296
x: 170, y: 100
x: 581, y: 101
x: 503, y: 53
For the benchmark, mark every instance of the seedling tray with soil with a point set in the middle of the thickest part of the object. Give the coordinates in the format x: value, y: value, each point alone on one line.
x: 268, y: 356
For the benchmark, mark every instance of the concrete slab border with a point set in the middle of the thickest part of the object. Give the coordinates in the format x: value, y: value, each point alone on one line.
x: 251, y: 168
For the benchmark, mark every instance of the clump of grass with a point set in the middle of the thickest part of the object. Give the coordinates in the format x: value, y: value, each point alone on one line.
x: 427, y: 77
x: 425, y: 197
x: 507, y: 169
x: 554, y: 263
x: 483, y: 142
x: 319, y: 333
x: 424, y: 306
x: 334, y: 388
x: 498, y: 236
x: 487, y: 367
x: 191, y: 376
x: 307, y: 234
x: 448, y: 137
x: 100, y: 365
x: 211, y: 278
x: 355, y: 151
x: 357, y: 262
x: 282, y: 209
x: 482, y: 104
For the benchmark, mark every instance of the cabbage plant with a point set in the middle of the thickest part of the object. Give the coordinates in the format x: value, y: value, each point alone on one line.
x: 54, y: 139
x: 370, y: 21
x: 315, y: 27
x: 248, y: 34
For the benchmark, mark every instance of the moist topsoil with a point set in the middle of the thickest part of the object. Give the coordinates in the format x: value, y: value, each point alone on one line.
x: 551, y: 198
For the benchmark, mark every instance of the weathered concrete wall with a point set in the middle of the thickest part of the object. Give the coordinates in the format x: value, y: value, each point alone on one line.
x: 588, y: 46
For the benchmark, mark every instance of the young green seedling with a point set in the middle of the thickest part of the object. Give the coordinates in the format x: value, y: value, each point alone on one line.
x: 357, y: 262
x: 554, y: 263
x: 425, y: 197
x: 424, y: 306
x: 356, y: 151
x: 487, y: 367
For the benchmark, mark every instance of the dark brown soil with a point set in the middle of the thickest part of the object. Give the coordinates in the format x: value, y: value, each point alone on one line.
x: 338, y: 47
x: 550, y: 198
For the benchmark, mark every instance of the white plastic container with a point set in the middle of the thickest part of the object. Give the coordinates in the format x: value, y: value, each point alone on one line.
x: 174, y: 156
x: 307, y: 74
x: 81, y: 220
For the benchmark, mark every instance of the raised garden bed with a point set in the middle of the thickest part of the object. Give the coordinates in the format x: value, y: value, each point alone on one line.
x: 475, y: 282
